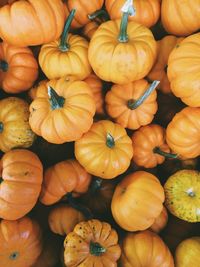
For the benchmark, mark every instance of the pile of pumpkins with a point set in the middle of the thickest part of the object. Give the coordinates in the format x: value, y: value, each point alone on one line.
x: 99, y: 133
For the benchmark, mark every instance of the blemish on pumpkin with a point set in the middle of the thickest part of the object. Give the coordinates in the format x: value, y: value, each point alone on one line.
x: 123, y: 190
x: 14, y: 256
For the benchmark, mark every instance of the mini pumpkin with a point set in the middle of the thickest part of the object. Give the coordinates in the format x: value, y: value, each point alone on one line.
x: 33, y: 22
x: 160, y: 222
x: 105, y: 150
x: 92, y: 243
x: 20, y: 242
x: 132, y: 105
x: 15, y: 131
x: 138, y: 197
x: 89, y: 29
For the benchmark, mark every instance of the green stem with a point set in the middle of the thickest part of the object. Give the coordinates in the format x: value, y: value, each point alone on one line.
x: 123, y: 36
x: 110, y: 142
x: 1, y: 127
x: 98, y: 13
x: 96, y: 249
x: 64, y: 46
x: 133, y: 104
x: 55, y: 100
x: 3, y: 65
x: 157, y: 150
x: 95, y: 185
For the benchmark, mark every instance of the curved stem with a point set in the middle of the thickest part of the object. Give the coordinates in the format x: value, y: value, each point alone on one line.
x: 110, y: 142
x: 64, y: 46
x: 96, y: 249
x: 1, y: 127
x: 133, y: 104
x: 55, y: 100
x: 95, y: 185
x: 99, y: 13
x: 157, y: 150
x: 3, y: 65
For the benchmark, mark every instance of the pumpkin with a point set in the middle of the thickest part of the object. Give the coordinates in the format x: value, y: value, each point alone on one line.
x: 18, y: 68
x: 180, y: 17
x: 159, y: 70
x: 92, y: 243
x: 4, y: 2
x: 183, y: 70
x: 187, y: 252
x: 89, y: 29
x: 182, y: 191
x: 62, y: 178
x: 105, y: 150
x: 122, y: 52
x: 160, y: 222
x: 63, y: 218
x: 145, y: 249
x: 21, y: 179
x: 20, y: 242
x: 62, y: 112
x: 132, y: 105
x: 85, y: 11
x: 147, y: 12
x: 178, y: 133
x: 150, y: 146
x: 38, y: 90
x: 138, y: 197
x: 15, y: 130
x: 32, y: 22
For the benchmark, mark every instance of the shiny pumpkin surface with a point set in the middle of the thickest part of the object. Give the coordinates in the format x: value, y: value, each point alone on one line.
x: 182, y: 191
x: 184, y: 72
x: 117, y: 100
x: 145, y: 249
x: 105, y: 150
x: 20, y: 242
x: 138, y: 197
x: 33, y: 22
x: 62, y: 178
x: 122, y: 62
x: 92, y: 243
x: 21, y: 175
x: 15, y: 130
x: 183, y: 133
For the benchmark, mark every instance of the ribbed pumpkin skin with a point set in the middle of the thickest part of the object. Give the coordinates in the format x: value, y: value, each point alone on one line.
x: 160, y: 222
x: 89, y: 29
x: 138, y: 197
x: 145, y: 249
x: 15, y: 130
x: 33, y: 22
x: 147, y: 11
x: 179, y: 17
x: 117, y: 62
x: 183, y: 70
x: 22, y: 174
x: 22, y: 68
x: 178, y: 133
x: 116, y: 104
x: 62, y: 178
x: 20, y: 242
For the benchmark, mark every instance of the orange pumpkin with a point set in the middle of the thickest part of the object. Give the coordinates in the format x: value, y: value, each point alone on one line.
x: 22, y: 174
x: 18, y: 68
x: 180, y: 18
x: 33, y: 22
x: 114, y: 49
x: 89, y: 29
x: 66, y: 56
x: 145, y: 249
x: 132, y: 105
x: 178, y: 133
x: 92, y: 243
x: 20, y: 242
x: 15, y: 130
x: 183, y: 70
x: 160, y: 222
x: 105, y: 150
x: 150, y: 146
x: 62, y: 178
x: 138, y: 197
x: 62, y: 112
x: 147, y: 12
x: 159, y: 70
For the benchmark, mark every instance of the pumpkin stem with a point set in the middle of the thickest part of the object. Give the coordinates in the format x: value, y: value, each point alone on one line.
x: 133, y: 104
x: 95, y: 185
x: 110, y: 142
x: 157, y: 150
x: 191, y: 192
x: 64, y: 46
x: 128, y: 10
x: 96, y: 249
x: 55, y: 100
x: 99, y: 13
x: 3, y: 65
x: 84, y: 210
x: 14, y: 256
x: 1, y: 127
